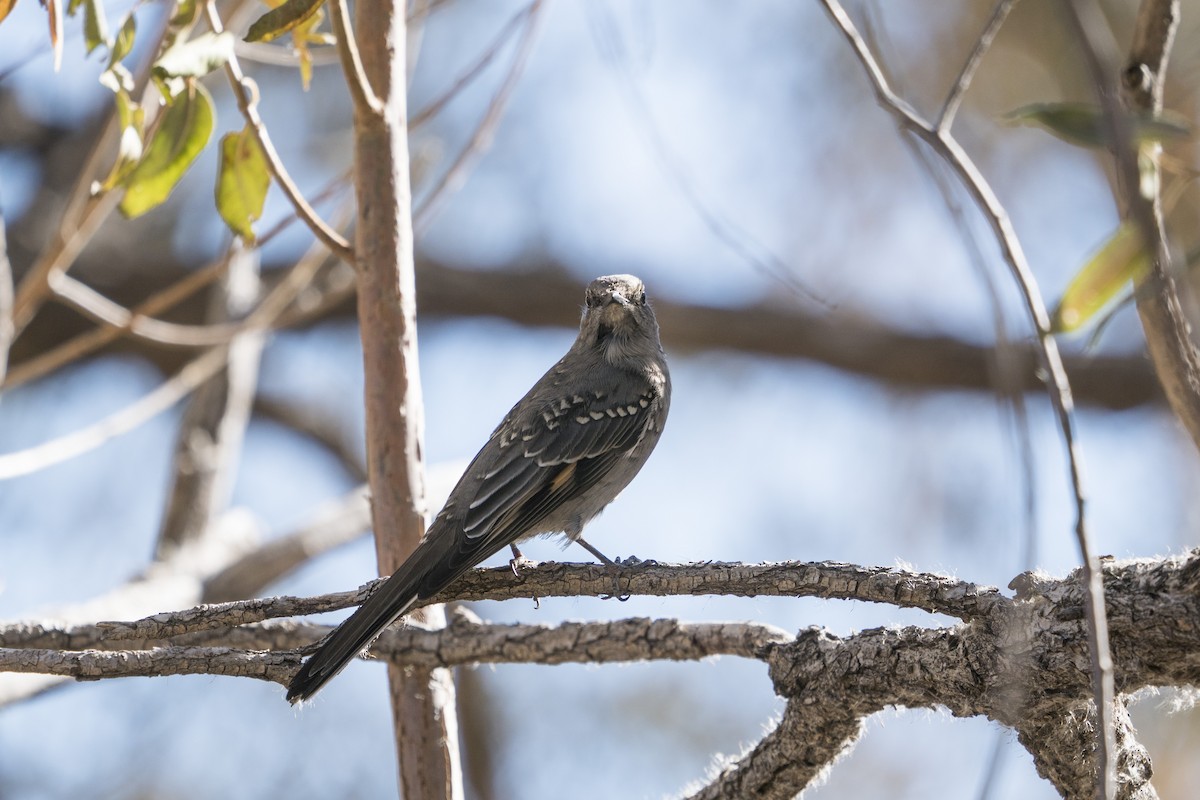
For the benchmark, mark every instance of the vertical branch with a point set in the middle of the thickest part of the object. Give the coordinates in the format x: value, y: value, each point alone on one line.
x: 7, y: 330
x: 423, y: 706
x: 1057, y: 385
x: 213, y: 425
x: 1162, y: 309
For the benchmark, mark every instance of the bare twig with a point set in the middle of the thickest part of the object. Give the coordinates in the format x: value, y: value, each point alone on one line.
x: 452, y: 178
x: 113, y: 315
x: 472, y: 72
x: 84, y: 211
x: 209, y: 442
x: 246, y: 93
x: 6, y: 303
x: 345, y: 522
x: 1058, y: 385
x: 83, y: 344
x: 953, y: 100
x: 365, y: 101
x: 170, y: 392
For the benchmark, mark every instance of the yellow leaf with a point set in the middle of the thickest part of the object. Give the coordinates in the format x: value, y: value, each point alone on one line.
x: 1120, y: 259
x: 242, y: 182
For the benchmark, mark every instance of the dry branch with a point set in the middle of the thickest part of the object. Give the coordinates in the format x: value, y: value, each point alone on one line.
x: 1019, y: 661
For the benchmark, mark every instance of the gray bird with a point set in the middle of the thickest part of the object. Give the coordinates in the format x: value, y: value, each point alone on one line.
x: 571, y: 444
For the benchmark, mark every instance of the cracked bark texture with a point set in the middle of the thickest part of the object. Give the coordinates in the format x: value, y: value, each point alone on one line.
x: 1020, y: 661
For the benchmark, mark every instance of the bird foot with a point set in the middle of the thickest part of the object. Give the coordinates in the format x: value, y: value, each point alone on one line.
x: 518, y: 563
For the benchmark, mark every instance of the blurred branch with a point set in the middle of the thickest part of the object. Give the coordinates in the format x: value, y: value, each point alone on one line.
x: 323, y: 429
x: 6, y: 303
x: 434, y: 107
x: 71, y: 445
x: 982, y: 44
x: 452, y: 179
x: 112, y: 315
x: 1057, y: 385
x: 345, y: 521
x: 84, y: 211
x: 171, y: 391
x: 850, y: 343
x: 80, y: 346
x: 209, y: 443
x: 1164, y: 305
x: 1017, y: 662
x: 245, y: 91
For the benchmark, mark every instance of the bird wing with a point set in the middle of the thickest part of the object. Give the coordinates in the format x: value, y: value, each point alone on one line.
x: 552, y: 454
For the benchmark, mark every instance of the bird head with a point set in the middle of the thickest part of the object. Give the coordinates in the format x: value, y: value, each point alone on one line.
x: 617, y: 320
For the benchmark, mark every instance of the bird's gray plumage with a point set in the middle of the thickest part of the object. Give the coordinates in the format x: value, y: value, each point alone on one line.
x: 563, y: 452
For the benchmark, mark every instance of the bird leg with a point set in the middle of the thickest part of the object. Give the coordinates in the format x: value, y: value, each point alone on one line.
x: 614, y: 566
x: 518, y: 561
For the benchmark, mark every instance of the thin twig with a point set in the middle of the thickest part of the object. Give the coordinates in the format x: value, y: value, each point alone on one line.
x: 84, y: 211
x: 7, y: 329
x: 481, y: 139
x: 170, y: 392
x: 113, y: 315
x: 982, y: 45
x: 741, y: 242
x: 246, y: 93
x: 472, y: 72
x: 365, y: 100
x: 1058, y: 386
x: 85, y: 343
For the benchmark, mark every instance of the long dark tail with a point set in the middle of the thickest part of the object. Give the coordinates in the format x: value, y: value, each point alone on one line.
x: 423, y: 574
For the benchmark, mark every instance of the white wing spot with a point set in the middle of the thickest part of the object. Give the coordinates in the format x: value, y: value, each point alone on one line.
x: 582, y: 420
x: 596, y: 414
x: 644, y: 403
x: 610, y: 412
x: 632, y: 409
x: 621, y: 412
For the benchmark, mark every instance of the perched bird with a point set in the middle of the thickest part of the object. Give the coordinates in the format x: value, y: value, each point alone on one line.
x: 571, y: 444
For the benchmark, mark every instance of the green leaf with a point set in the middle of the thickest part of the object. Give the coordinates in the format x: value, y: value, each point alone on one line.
x: 186, y: 14
x: 1084, y: 125
x: 279, y: 21
x: 123, y: 43
x: 1118, y: 261
x: 95, y: 25
x: 184, y: 130
x: 195, y: 58
x: 242, y: 182
x: 73, y: 6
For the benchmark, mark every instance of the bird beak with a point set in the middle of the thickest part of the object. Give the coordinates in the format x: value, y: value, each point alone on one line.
x: 619, y: 299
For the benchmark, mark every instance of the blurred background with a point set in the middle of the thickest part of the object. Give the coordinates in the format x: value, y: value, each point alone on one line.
x: 832, y: 339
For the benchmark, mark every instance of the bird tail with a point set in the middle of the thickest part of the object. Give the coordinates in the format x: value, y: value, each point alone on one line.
x: 381, y: 609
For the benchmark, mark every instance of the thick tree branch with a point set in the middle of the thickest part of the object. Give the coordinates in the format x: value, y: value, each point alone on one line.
x: 1022, y: 662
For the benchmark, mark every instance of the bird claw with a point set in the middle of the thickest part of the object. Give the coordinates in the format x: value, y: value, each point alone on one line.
x: 519, y: 563
x: 614, y: 567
